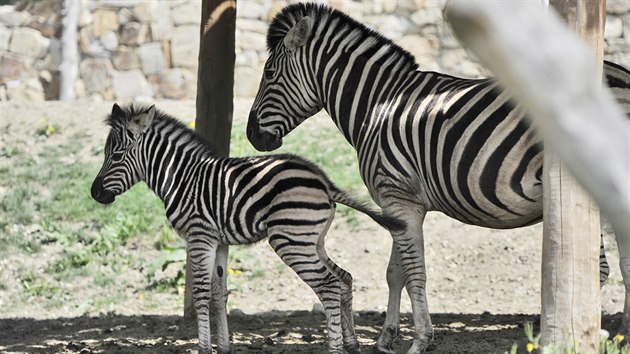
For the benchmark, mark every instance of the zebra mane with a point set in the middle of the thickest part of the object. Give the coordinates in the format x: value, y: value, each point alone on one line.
x: 164, y: 120
x: 322, y: 16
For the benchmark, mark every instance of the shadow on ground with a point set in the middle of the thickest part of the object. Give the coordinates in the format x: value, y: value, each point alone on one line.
x: 272, y: 332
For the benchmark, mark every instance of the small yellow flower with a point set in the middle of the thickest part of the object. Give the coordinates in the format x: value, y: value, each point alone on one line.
x: 191, y: 124
x: 530, y: 347
x: 234, y: 271
x: 51, y: 129
x: 141, y: 296
x: 619, y: 338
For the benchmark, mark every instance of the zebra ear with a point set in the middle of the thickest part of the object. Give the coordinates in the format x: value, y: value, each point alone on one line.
x: 298, y: 34
x: 140, y: 123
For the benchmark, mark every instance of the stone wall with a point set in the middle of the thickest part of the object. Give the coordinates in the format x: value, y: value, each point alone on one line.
x: 133, y: 49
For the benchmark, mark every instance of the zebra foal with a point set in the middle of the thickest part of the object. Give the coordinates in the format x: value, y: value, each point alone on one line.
x: 425, y: 141
x: 213, y: 202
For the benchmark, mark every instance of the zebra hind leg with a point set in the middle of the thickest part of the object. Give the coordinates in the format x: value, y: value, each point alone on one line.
x: 219, y: 300
x: 395, y: 283
x: 298, y: 249
x: 350, y: 343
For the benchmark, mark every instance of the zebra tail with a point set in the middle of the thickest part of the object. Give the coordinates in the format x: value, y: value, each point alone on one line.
x: 389, y: 222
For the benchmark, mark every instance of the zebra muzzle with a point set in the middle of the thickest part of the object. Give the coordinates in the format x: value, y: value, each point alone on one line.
x: 100, y: 194
x: 261, y: 140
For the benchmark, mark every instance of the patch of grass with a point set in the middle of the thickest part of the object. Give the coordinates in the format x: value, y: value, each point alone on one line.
x: 38, y: 287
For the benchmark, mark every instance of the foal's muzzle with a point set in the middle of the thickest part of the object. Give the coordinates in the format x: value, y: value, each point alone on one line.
x: 100, y: 194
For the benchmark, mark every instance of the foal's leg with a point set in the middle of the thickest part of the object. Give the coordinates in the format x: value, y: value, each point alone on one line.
x: 297, y: 247
x: 350, y: 342
x: 219, y: 299
x: 202, y: 254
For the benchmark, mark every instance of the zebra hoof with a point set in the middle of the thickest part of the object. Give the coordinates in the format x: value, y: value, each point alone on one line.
x: 227, y: 350
x: 353, y: 348
x: 377, y: 349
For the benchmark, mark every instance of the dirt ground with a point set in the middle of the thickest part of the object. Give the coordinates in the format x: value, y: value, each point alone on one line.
x: 482, y: 284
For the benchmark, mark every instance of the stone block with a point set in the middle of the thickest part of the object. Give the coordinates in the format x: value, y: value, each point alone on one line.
x: 162, y: 26
x: 5, y: 36
x: 251, y: 9
x: 614, y: 27
x: 29, y: 42
x: 171, y: 84
x: 618, y: 7
x: 53, y: 58
x: 109, y: 41
x: 134, y: 33
x: 48, y: 26
x: 96, y: 74
x: 125, y: 16
x: 152, y: 58
x: 247, y: 58
x: 125, y: 58
x: 131, y: 84
x: 146, y: 11
x: 104, y: 20
x: 185, y: 46
x: 248, y: 25
x: 10, y: 68
x: 425, y: 17
x: 186, y: 13
x: 85, y: 17
x: 251, y: 40
x: 420, y: 46
x: 29, y: 90
x: 246, y: 81
x: 13, y: 18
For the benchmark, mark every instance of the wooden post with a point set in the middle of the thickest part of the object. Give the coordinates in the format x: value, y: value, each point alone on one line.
x: 215, y: 84
x: 571, y: 305
x: 553, y: 75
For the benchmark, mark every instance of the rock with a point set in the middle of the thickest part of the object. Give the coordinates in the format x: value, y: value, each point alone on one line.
x: 457, y: 62
x: 5, y: 36
x: 420, y: 46
x: 614, y: 27
x: 28, y: 42
x: 185, y: 46
x: 53, y: 58
x: 171, y: 84
x: 134, y: 33
x: 50, y: 84
x: 125, y: 58
x: 146, y: 11
x: 424, y: 17
x: 13, y: 18
x: 162, y: 26
x: 109, y: 40
x: 10, y: 68
x: 626, y: 28
x: 104, y: 20
x: 246, y: 81
x: 251, y: 9
x: 96, y: 74
x: 187, y: 13
x: 130, y: 84
x: 125, y: 16
x: 85, y: 17
x: 356, y: 8
x: 248, y: 25
x: 30, y: 90
x: 152, y: 58
x: 618, y: 7
x: 251, y: 40
x: 247, y: 58
x: 47, y: 26
x: 190, y: 83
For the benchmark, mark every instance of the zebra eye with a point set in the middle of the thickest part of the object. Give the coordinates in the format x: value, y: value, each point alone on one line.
x: 269, y: 74
x: 118, y: 155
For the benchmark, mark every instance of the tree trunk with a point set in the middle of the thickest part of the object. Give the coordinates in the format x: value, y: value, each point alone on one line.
x: 215, y: 84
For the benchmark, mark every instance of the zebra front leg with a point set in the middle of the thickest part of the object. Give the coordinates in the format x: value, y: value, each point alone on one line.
x: 219, y: 299
x: 202, y: 255
x: 395, y: 283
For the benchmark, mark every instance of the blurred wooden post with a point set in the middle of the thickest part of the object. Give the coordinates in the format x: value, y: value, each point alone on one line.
x: 69, y: 68
x: 215, y: 83
x: 571, y: 305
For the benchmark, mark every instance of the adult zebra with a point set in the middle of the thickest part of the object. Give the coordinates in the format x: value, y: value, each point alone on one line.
x: 213, y: 202
x: 425, y: 141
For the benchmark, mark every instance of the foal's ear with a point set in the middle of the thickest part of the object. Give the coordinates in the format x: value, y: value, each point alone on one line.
x: 140, y: 123
x: 298, y: 34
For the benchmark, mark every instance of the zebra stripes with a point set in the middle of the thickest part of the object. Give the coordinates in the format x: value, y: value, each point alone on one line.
x: 213, y: 202
x: 425, y: 141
